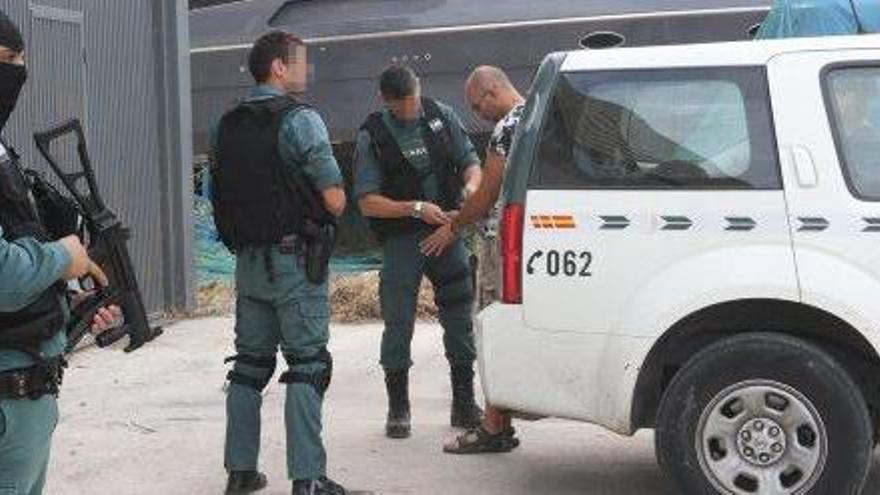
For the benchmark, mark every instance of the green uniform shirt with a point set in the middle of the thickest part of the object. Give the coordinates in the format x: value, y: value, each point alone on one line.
x: 27, y: 269
x: 368, y: 173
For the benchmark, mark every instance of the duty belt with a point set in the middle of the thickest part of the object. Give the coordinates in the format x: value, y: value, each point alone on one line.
x: 44, y: 378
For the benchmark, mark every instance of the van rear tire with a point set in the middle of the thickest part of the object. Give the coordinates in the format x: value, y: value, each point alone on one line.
x: 764, y: 414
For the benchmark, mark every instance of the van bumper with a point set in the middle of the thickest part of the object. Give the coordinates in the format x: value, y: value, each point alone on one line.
x: 572, y: 375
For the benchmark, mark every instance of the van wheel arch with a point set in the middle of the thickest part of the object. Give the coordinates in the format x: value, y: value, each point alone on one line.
x: 709, y: 325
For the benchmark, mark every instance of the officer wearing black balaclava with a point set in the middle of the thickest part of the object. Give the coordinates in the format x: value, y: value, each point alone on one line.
x: 33, y: 302
x: 13, y: 72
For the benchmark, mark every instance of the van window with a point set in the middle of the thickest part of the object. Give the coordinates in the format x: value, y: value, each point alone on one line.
x: 694, y: 128
x: 854, y: 97
x: 528, y: 133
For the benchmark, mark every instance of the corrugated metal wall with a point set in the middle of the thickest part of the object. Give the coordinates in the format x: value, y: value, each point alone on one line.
x: 104, y: 62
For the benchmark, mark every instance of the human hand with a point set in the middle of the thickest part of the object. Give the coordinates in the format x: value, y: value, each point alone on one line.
x: 438, y: 242
x: 80, y: 263
x: 105, y: 319
x: 434, y: 215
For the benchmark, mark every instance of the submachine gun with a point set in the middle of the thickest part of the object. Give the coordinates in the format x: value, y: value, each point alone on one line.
x: 104, y: 235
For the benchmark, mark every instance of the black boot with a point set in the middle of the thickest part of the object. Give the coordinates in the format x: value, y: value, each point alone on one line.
x: 465, y: 411
x: 243, y: 482
x: 320, y: 486
x: 398, y: 423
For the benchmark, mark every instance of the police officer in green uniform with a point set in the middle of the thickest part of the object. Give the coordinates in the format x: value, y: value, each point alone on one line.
x: 33, y: 303
x: 271, y: 154
x: 414, y: 166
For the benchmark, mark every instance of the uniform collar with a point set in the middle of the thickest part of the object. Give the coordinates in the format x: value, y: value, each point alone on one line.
x: 263, y: 92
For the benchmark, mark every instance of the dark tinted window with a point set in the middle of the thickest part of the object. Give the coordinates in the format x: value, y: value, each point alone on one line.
x: 693, y: 128
x: 855, y: 103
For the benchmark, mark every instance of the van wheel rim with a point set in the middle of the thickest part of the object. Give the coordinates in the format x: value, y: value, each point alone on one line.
x: 761, y: 437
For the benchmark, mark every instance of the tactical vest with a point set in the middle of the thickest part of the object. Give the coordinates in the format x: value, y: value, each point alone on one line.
x: 253, y: 203
x: 44, y: 318
x: 401, y: 181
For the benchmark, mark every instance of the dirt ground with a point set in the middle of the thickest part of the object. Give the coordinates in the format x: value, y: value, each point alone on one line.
x: 152, y: 422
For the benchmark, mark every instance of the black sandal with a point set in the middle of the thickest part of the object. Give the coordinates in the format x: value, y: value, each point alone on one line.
x: 480, y: 441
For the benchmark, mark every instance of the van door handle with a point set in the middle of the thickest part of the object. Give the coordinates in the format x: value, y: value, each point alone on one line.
x: 804, y: 166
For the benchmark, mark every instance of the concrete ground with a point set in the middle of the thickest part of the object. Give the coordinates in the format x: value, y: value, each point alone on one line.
x: 152, y: 422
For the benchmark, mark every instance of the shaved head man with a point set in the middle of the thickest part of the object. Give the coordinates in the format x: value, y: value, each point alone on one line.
x: 493, y: 97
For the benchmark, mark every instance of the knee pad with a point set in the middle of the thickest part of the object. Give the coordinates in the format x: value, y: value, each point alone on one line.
x: 265, y: 363
x: 320, y: 380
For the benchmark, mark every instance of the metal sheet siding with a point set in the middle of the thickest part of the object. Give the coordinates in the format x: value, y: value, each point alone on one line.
x: 99, y: 60
x: 123, y: 127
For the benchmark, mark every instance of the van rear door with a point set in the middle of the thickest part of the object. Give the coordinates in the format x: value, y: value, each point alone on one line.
x: 828, y: 125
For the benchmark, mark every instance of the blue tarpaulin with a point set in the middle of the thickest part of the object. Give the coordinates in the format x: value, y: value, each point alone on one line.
x: 798, y: 18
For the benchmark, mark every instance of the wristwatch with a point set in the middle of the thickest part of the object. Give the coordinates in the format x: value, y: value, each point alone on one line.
x: 417, y: 209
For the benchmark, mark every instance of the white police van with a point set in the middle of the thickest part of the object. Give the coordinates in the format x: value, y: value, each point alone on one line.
x: 691, y: 243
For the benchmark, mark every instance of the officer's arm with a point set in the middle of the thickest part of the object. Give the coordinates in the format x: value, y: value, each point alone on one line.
x: 375, y: 205
x: 368, y: 184
x: 27, y: 269
x: 306, y: 140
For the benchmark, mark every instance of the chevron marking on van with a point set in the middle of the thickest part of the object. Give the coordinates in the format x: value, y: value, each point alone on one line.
x: 813, y: 224
x: 873, y: 225
x: 677, y: 223
x: 614, y: 222
x: 740, y: 224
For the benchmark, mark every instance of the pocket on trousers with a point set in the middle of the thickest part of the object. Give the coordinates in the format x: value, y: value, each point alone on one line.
x: 314, y: 308
x: 314, y: 315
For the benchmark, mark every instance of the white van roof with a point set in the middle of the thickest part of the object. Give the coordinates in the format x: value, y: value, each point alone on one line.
x: 710, y: 54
